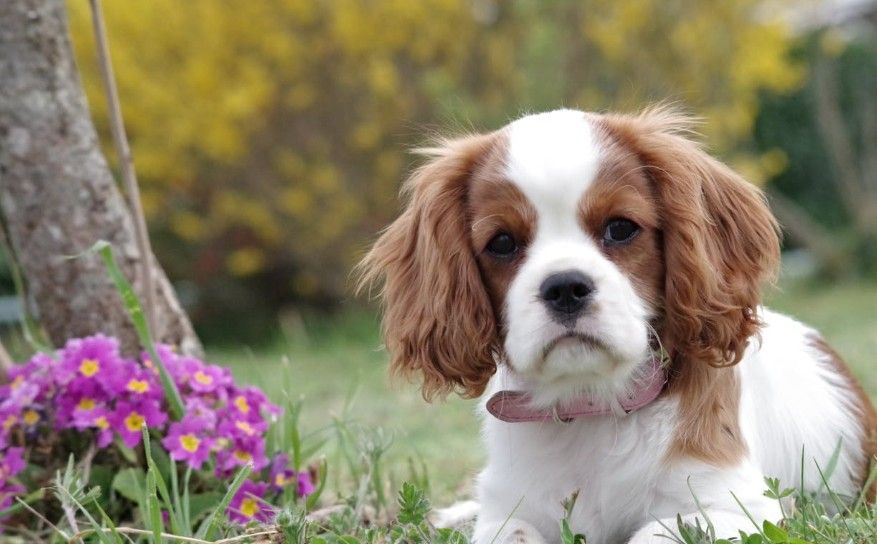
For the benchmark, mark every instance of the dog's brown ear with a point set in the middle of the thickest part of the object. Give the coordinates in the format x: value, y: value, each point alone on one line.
x: 720, y: 239
x: 438, y: 322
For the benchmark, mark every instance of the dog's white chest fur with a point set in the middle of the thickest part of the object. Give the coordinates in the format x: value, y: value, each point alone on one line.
x: 541, y: 464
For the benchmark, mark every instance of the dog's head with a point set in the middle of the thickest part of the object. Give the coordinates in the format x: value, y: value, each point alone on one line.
x: 568, y: 246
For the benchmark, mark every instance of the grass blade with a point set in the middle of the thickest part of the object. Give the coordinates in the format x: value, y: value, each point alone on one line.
x: 153, y: 510
x: 152, y: 468
x: 208, y: 527
x: 135, y: 310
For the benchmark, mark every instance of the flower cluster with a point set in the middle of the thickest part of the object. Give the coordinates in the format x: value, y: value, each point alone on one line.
x: 89, y: 387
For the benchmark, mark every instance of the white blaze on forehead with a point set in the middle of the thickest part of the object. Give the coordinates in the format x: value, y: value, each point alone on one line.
x: 553, y: 158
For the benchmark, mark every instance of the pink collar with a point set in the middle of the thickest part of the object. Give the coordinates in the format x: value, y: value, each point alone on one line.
x: 514, y: 406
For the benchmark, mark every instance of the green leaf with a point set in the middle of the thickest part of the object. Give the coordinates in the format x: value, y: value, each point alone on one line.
x: 162, y: 460
x: 208, y: 526
x: 754, y: 539
x: 413, y: 504
x: 129, y: 454
x: 566, y: 534
x: 200, y: 504
x: 130, y: 483
x: 774, y: 533
x: 449, y: 536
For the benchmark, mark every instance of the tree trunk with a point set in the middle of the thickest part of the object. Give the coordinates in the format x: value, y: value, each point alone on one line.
x: 57, y: 194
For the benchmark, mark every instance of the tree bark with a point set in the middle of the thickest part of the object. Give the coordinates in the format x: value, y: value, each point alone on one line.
x: 57, y: 194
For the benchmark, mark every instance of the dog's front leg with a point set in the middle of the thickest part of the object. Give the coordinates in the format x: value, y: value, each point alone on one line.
x: 510, y: 531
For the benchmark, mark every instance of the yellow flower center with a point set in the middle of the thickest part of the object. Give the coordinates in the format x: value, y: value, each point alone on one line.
x: 102, y: 423
x: 89, y: 367
x: 31, y: 417
x: 246, y: 427
x: 10, y: 420
x: 134, y: 422
x: 249, y: 507
x: 241, y: 402
x: 281, y: 480
x: 203, y: 379
x: 17, y: 382
x: 138, y: 386
x: 86, y: 404
x: 190, y: 442
x: 242, y: 456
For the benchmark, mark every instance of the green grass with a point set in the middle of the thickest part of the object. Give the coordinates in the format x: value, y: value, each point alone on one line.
x: 338, y: 363
x: 339, y: 370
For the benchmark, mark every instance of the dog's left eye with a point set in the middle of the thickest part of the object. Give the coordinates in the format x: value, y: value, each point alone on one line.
x: 502, y: 245
x: 619, y: 231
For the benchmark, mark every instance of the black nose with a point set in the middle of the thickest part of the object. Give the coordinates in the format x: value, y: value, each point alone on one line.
x: 566, y: 293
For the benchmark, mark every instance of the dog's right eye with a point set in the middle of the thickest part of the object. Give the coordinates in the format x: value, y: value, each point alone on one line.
x: 502, y: 245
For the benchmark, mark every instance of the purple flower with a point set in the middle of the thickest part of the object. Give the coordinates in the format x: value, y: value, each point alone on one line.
x: 10, y: 416
x: 129, y: 418
x: 239, y: 453
x: 101, y: 422
x: 94, y: 359
x: 90, y: 388
x: 187, y: 440
x: 74, y: 404
x: 87, y: 411
x: 305, y: 484
x: 204, y: 378
x: 247, y: 504
x: 137, y: 383
x: 199, y: 408
x: 250, y: 403
x: 280, y: 474
x: 30, y: 382
x: 12, y: 463
x: 240, y: 428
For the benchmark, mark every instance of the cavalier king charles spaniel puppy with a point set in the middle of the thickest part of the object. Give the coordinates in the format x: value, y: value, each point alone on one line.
x: 596, y: 277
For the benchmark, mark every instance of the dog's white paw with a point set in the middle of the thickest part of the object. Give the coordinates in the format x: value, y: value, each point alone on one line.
x: 524, y: 535
x: 513, y: 531
x: 456, y: 515
x: 652, y: 533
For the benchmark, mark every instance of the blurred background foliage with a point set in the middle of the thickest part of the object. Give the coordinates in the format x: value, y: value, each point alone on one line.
x: 271, y: 137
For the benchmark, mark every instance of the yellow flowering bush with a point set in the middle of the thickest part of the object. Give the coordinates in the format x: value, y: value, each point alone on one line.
x: 270, y: 137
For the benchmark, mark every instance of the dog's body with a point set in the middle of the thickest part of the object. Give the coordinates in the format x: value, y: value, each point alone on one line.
x: 792, y: 397
x: 558, y: 258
